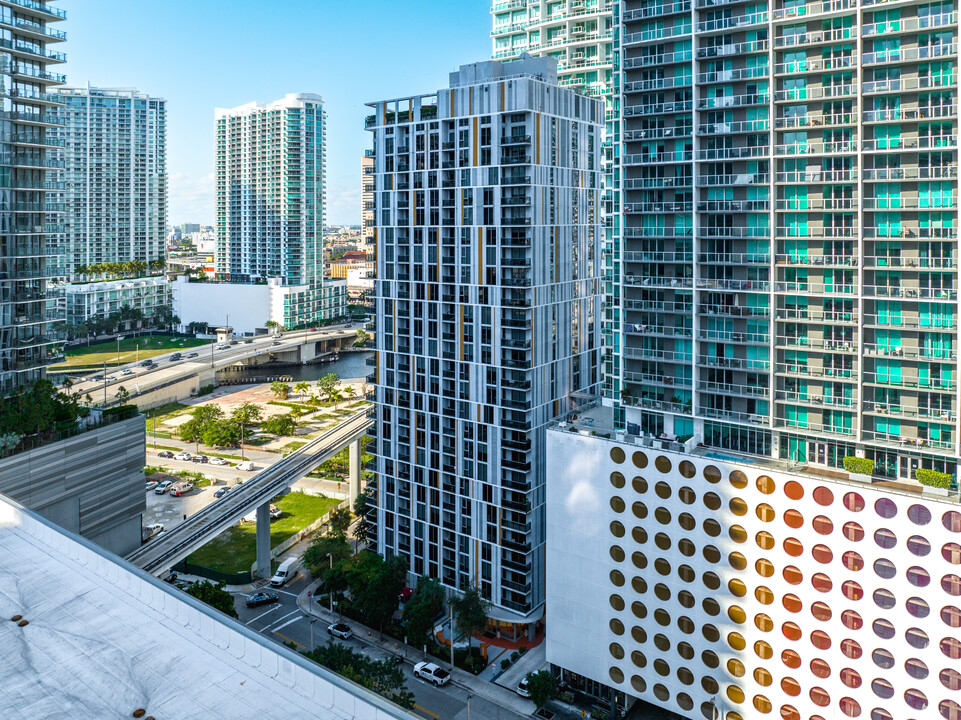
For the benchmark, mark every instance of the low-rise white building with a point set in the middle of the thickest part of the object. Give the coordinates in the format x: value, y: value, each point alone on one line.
x: 99, y: 299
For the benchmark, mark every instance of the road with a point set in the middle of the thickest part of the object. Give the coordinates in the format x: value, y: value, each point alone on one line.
x: 141, y: 379
x: 284, y: 622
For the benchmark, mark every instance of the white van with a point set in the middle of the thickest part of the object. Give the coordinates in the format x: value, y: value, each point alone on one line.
x: 245, y: 465
x: 287, y: 571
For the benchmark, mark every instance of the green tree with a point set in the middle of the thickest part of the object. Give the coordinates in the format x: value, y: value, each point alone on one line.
x: 247, y: 414
x: 363, y: 527
x: 542, y: 686
x: 421, y: 610
x: 470, y: 611
x: 381, y: 676
x: 272, y: 325
x: 214, y: 595
x: 203, y: 417
x: 223, y: 433
x: 303, y: 387
x: 327, y: 385
x: 123, y: 395
x: 362, y: 337
x: 340, y: 521
x: 280, y: 389
x: 280, y: 425
x: 315, y: 557
x: 379, y: 598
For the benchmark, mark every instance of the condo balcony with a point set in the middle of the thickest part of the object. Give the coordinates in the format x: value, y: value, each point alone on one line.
x: 729, y: 101
x: 648, y: 256
x: 733, y: 258
x: 659, y: 380
x: 733, y: 363
x: 678, y: 156
x: 732, y: 49
x: 909, y: 263
x: 674, y: 282
x: 735, y: 310
x: 741, y: 179
x: 814, y: 9
x: 733, y: 206
x: 814, y: 147
x: 753, y: 391
x: 748, y: 338
x: 910, y: 24
x: 806, y: 370
x: 812, y: 120
x: 734, y: 153
x: 911, y: 441
x: 666, y: 83
x: 810, y: 288
x: 657, y: 232
x: 816, y: 37
x: 925, y: 112
x: 658, y: 207
x: 660, y: 108
x: 908, y: 84
x: 911, y: 293
x: 815, y: 65
x: 657, y: 183
x: 816, y: 176
x: 666, y: 58
x: 908, y: 54
x: 915, y: 412
x: 30, y: 51
x: 806, y: 260
x: 911, y: 352
x: 664, y: 8
x: 670, y: 331
x: 730, y: 23
x: 654, y: 36
x: 816, y: 399
x: 925, y: 142
x: 903, y: 380
x: 734, y: 416
x: 669, y: 356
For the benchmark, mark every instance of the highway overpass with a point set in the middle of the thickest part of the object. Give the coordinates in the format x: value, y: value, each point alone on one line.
x: 161, y: 554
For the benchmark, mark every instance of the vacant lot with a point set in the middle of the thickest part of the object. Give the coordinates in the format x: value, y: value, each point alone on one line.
x: 96, y: 355
x: 236, y: 549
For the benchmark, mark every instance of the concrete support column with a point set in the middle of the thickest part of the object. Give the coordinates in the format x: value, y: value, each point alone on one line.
x: 263, y: 541
x: 354, y: 474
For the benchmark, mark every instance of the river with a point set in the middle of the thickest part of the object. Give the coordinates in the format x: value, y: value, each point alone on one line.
x: 350, y: 366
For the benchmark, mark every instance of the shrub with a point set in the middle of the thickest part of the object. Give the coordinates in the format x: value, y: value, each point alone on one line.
x: 514, y: 656
x: 859, y: 466
x: 933, y: 478
x: 505, y: 663
x: 522, y: 650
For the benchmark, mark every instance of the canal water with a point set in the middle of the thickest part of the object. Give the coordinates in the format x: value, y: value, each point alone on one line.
x: 351, y: 365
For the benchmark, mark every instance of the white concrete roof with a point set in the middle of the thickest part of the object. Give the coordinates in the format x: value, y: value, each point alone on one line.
x: 105, y: 639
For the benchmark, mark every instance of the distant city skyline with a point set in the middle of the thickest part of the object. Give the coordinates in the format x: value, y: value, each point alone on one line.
x: 200, y: 57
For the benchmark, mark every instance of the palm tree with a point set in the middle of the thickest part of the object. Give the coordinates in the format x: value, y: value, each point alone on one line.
x: 302, y: 387
x: 348, y: 392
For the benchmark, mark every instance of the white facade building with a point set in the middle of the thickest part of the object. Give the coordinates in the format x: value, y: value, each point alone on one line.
x: 488, y: 231
x: 100, y: 299
x: 271, y: 179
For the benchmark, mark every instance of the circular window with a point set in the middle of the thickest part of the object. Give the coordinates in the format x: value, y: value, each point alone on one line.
x: 617, y: 577
x: 617, y: 627
x: 951, y: 552
x: 822, y: 583
x: 793, y: 547
x: 918, y: 576
x: 853, y: 532
x: 638, y: 683
x: 640, y: 510
x: 886, y: 508
x: 851, y: 590
x: 737, y: 587
x: 738, y: 479
x: 917, y: 607
x: 686, y: 547
x: 617, y: 504
x: 737, y: 561
x: 884, y: 568
x: 850, y: 706
x: 617, y: 553
x: 851, y: 620
x: 819, y: 696
x: 663, y: 541
x: 712, y: 527
x: 735, y: 668
x: 709, y: 684
x: 791, y: 659
x: 662, y: 490
x: 823, y: 495
x: 711, y: 606
x: 793, y: 518
x: 763, y: 650
x: 792, y: 575
x: 850, y: 677
x: 951, y: 647
x: 764, y: 568
x: 710, y: 633
x: 736, y: 641
x: 764, y: 595
x: 616, y: 675
x: 951, y: 616
x: 686, y: 573
x: 794, y: 490
x: 852, y: 561
x: 736, y: 614
x: 687, y: 469
x: 662, y: 591
x: 617, y: 454
x: 639, y: 459
x: 820, y: 639
x: 853, y: 502
x: 764, y: 540
x: 639, y: 484
x: 661, y: 667
x: 883, y: 629
x: 712, y: 474
x: 637, y: 657
x: 712, y: 501
x: 662, y: 643
x: 822, y: 525
x: 885, y: 538
x: 709, y: 658
x: 791, y: 687
x: 639, y: 609
x: 884, y: 599
x: 851, y: 649
x: 949, y: 709
x: 663, y: 516
x: 616, y: 651
x: 791, y: 631
x: 662, y: 464
x: 737, y: 506
x: 640, y: 635
x: 915, y: 668
x: 617, y: 529
x: 617, y: 602
x: 881, y: 714
x: 617, y: 480
x: 688, y: 496
x: 821, y: 611
x: 917, y: 638
x: 662, y: 566
x: 915, y: 699
x: 792, y: 603
x: 762, y: 704
x: 765, y: 512
x: 951, y: 584
x: 950, y: 678
x: 683, y: 699
x: 951, y: 521
x: 711, y: 554
x: 763, y: 622
x: 711, y: 581
x: 882, y: 688
x: 639, y: 534
x: 685, y: 650
x: 737, y: 533
x: 820, y: 669
x: 685, y: 599
x: 639, y: 559
x: 822, y: 553
x: 883, y: 659
x: 919, y: 546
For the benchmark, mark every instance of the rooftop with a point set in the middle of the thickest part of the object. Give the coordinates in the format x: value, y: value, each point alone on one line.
x: 103, y: 639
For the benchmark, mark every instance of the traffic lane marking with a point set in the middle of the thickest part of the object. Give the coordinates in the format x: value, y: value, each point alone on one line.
x: 279, y: 620
x: 424, y: 710
x: 275, y: 607
x: 289, y: 622
x: 290, y: 640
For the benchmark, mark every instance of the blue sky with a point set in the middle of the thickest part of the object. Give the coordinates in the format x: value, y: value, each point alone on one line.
x: 203, y: 54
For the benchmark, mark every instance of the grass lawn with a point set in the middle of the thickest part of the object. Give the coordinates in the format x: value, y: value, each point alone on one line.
x: 158, y: 416
x: 236, y: 549
x: 150, y: 346
x: 290, y: 447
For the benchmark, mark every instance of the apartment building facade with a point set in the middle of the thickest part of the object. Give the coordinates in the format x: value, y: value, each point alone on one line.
x: 487, y: 299
x: 29, y: 307
x: 271, y: 183
x: 367, y: 204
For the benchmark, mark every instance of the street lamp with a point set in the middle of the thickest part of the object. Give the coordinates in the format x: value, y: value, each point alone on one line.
x: 469, y: 696
x: 330, y: 594
x: 312, y: 621
x: 119, y: 338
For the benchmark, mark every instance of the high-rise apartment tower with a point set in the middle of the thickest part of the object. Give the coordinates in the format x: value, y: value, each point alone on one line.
x: 488, y: 233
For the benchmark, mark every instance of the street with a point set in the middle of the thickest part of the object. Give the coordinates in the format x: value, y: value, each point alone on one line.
x: 285, y: 622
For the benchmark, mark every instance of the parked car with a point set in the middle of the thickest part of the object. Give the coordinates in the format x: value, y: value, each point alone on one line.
x: 431, y: 673
x: 248, y: 341
x: 183, y: 455
x: 111, y: 378
x: 181, y: 488
x: 234, y: 342
x: 246, y: 466
x: 151, y: 484
x: 261, y: 598
x: 200, y: 459
x: 151, y: 531
x: 163, y: 487
x: 340, y: 630
x: 522, y: 688
x: 175, y: 356
x: 275, y: 512
x: 221, y: 492
x: 165, y: 454
x: 218, y: 461
x: 275, y: 342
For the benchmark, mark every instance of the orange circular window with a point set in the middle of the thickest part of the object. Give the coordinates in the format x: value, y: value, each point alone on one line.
x: 794, y: 490
x: 853, y: 532
x: 822, y: 525
x: 822, y: 583
x: 821, y: 640
x: 823, y: 495
x: 737, y: 533
x: 851, y: 648
x: 765, y: 484
x: 821, y: 611
x: 762, y: 704
x: 791, y: 631
x: 820, y: 697
x: 792, y: 575
x: 793, y: 547
x: 791, y: 687
x: 764, y: 595
x: 793, y: 518
x: 763, y: 677
x: 792, y: 603
x: 822, y: 553
x: 736, y: 641
x: 763, y: 622
x: 791, y: 659
x: 765, y: 512
x: 788, y: 712
x: 850, y: 677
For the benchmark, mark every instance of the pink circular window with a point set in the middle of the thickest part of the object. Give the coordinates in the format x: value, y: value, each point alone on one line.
x: 852, y: 561
x: 853, y: 532
x: 852, y: 590
x: 851, y: 620
x: 853, y: 502
x: 821, y: 582
x: 822, y: 553
x: 951, y: 584
x: 886, y: 508
x: 823, y: 495
x: 952, y: 521
x: 822, y: 525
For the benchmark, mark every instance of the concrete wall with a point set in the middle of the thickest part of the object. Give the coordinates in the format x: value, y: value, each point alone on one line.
x: 249, y: 306
x: 91, y: 484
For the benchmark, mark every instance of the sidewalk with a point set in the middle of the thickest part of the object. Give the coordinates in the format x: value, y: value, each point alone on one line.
x: 490, y: 692
x: 531, y: 661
